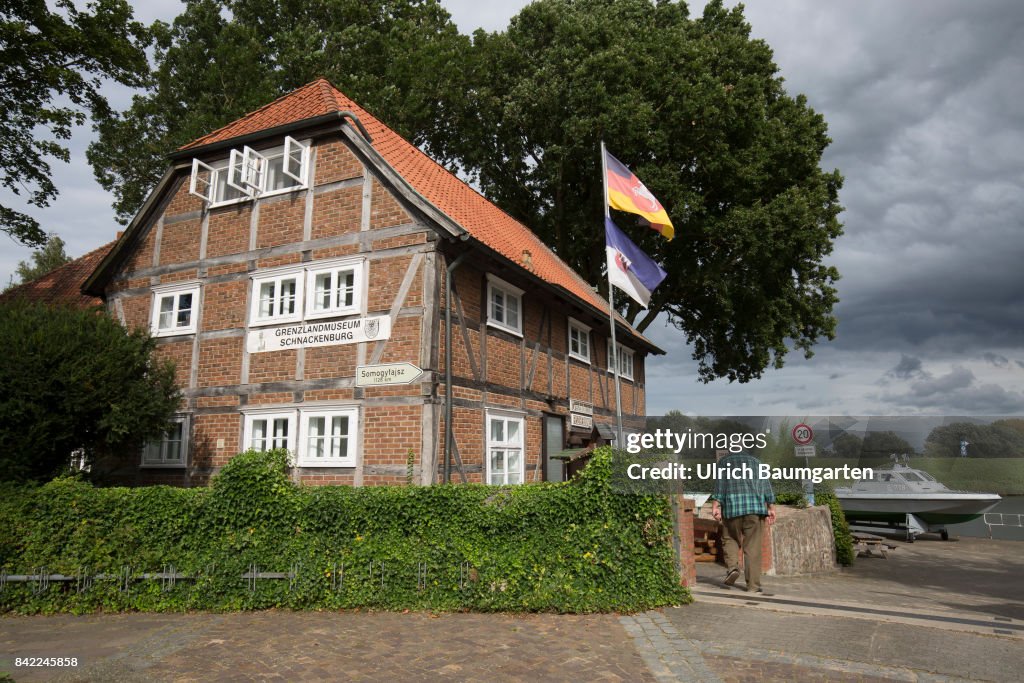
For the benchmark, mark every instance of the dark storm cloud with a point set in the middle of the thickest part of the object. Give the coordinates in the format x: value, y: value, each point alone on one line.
x: 982, y: 399
x: 996, y: 359
x: 908, y: 368
x: 927, y: 132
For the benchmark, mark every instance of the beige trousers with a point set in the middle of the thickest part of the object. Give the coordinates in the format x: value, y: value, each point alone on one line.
x: 744, y: 532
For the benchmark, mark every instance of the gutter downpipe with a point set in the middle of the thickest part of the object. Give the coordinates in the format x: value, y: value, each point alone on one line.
x: 448, y: 432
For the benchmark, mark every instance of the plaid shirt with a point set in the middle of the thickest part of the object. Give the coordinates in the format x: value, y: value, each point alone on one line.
x: 745, y: 496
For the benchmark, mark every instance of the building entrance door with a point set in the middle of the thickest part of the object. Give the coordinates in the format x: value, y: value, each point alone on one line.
x: 554, y: 443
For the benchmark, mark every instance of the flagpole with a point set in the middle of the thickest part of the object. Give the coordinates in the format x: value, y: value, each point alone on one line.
x: 619, y: 442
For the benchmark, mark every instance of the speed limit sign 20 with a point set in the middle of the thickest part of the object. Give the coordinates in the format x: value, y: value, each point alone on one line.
x: 803, y: 434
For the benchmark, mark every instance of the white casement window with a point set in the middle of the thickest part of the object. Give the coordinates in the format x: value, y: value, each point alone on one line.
x: 316, y: 436
x: 248, y: 173
x: 579, y: 340
x: 505, y: 453
x: 175, y: 308
x: 269, y: 431
x: 171, y: 449
x: 328, y: 437
x: 335, y: 289
x: 625, y: 361
x: 277, y: 297
x: 504, y: 306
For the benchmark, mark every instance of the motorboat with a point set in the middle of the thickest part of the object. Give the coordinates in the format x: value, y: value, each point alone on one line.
x: 902, y: 496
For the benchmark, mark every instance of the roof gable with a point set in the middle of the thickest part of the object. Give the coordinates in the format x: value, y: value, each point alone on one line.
x: 483, y: 220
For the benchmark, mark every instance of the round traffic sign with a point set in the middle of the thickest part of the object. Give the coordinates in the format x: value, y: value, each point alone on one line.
x: 803, y: 434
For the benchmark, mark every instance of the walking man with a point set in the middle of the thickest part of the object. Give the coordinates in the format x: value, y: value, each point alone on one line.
x: 742, y: 502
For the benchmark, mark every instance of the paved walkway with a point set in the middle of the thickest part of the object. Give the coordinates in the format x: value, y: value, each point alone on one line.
x: 810, y: 631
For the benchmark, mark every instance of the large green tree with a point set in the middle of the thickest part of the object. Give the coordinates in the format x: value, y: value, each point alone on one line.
x: 75, y: 379
x: 53, y: 61
x: 698, y: 110
x: 221, y: 59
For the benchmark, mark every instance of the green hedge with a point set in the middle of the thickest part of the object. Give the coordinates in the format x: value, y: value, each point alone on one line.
x: 571, y: 547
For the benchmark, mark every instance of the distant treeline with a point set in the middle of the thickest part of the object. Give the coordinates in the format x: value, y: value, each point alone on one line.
x: 999, y: 439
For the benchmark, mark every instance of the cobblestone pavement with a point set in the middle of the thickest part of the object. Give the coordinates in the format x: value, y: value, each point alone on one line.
x: 699, y: 642
x: 969, y: 575
x: 324, y: 646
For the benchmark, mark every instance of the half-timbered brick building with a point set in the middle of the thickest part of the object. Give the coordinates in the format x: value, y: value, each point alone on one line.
x: 303, y: 264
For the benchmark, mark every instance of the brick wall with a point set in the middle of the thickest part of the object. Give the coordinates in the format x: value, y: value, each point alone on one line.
x: 228, y: 230
x: 180, y: 242
x: 683, y: 509
x: 337, y: 212
x: 335, y: 162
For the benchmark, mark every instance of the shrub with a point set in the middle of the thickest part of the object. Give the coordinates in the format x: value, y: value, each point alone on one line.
x: 75, y: 379
x: 568, y: 547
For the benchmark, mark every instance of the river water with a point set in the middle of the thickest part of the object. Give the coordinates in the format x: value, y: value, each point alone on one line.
x: 1010, y: 507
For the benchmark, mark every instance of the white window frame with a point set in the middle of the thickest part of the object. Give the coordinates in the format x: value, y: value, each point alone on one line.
x: 206, y: 191
x: 509, y: 291
x: 505, y: 445
x: 625, y: 357
x: 247, y: 171
x: 358, y: 266
x: 291, y: 146
x: 175, y: 290
x: 584, y: 332
x: 270, y: 417
x: 277, y: 277
x: 305, y: 457
x: 161, y: 462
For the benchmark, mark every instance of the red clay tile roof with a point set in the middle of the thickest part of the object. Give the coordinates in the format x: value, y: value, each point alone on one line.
x: 467, y: 207
x: 63, y: 285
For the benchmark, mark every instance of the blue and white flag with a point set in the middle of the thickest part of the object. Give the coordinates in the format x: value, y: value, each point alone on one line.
x: 629, y: 268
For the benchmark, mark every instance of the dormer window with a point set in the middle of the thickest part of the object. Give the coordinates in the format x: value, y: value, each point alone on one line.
x: 248, y: 173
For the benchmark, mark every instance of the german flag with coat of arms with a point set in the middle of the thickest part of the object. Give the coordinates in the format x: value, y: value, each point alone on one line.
x: 627, y: 193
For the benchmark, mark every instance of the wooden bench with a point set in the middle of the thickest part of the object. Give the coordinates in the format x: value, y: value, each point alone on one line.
x: 867, y: 544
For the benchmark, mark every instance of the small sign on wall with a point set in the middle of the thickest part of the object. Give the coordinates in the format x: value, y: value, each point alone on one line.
x: 387, y: 373
x: 312, y: 334
x: 581, y: 421
x: 582, y: 407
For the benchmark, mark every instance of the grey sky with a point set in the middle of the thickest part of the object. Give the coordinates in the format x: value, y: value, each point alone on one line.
x: 924, y: 104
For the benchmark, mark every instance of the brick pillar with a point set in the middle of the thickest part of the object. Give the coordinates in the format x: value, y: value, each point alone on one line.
x: 683, y: 508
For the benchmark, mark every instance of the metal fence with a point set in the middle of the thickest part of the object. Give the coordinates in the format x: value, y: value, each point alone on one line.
x: 377, y: 572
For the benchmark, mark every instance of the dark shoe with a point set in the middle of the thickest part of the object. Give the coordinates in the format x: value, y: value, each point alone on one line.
x: 731, y: 577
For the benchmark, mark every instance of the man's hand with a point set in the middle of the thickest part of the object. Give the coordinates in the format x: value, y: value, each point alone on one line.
x: 771, y: 514
x: 716, y: 511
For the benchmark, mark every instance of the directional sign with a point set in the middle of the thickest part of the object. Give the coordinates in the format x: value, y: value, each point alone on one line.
x: 388, y: 373
x: 803, y: 434
x: 808, y: 451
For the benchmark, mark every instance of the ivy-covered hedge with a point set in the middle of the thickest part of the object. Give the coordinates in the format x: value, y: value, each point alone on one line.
x: 571, y: 547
